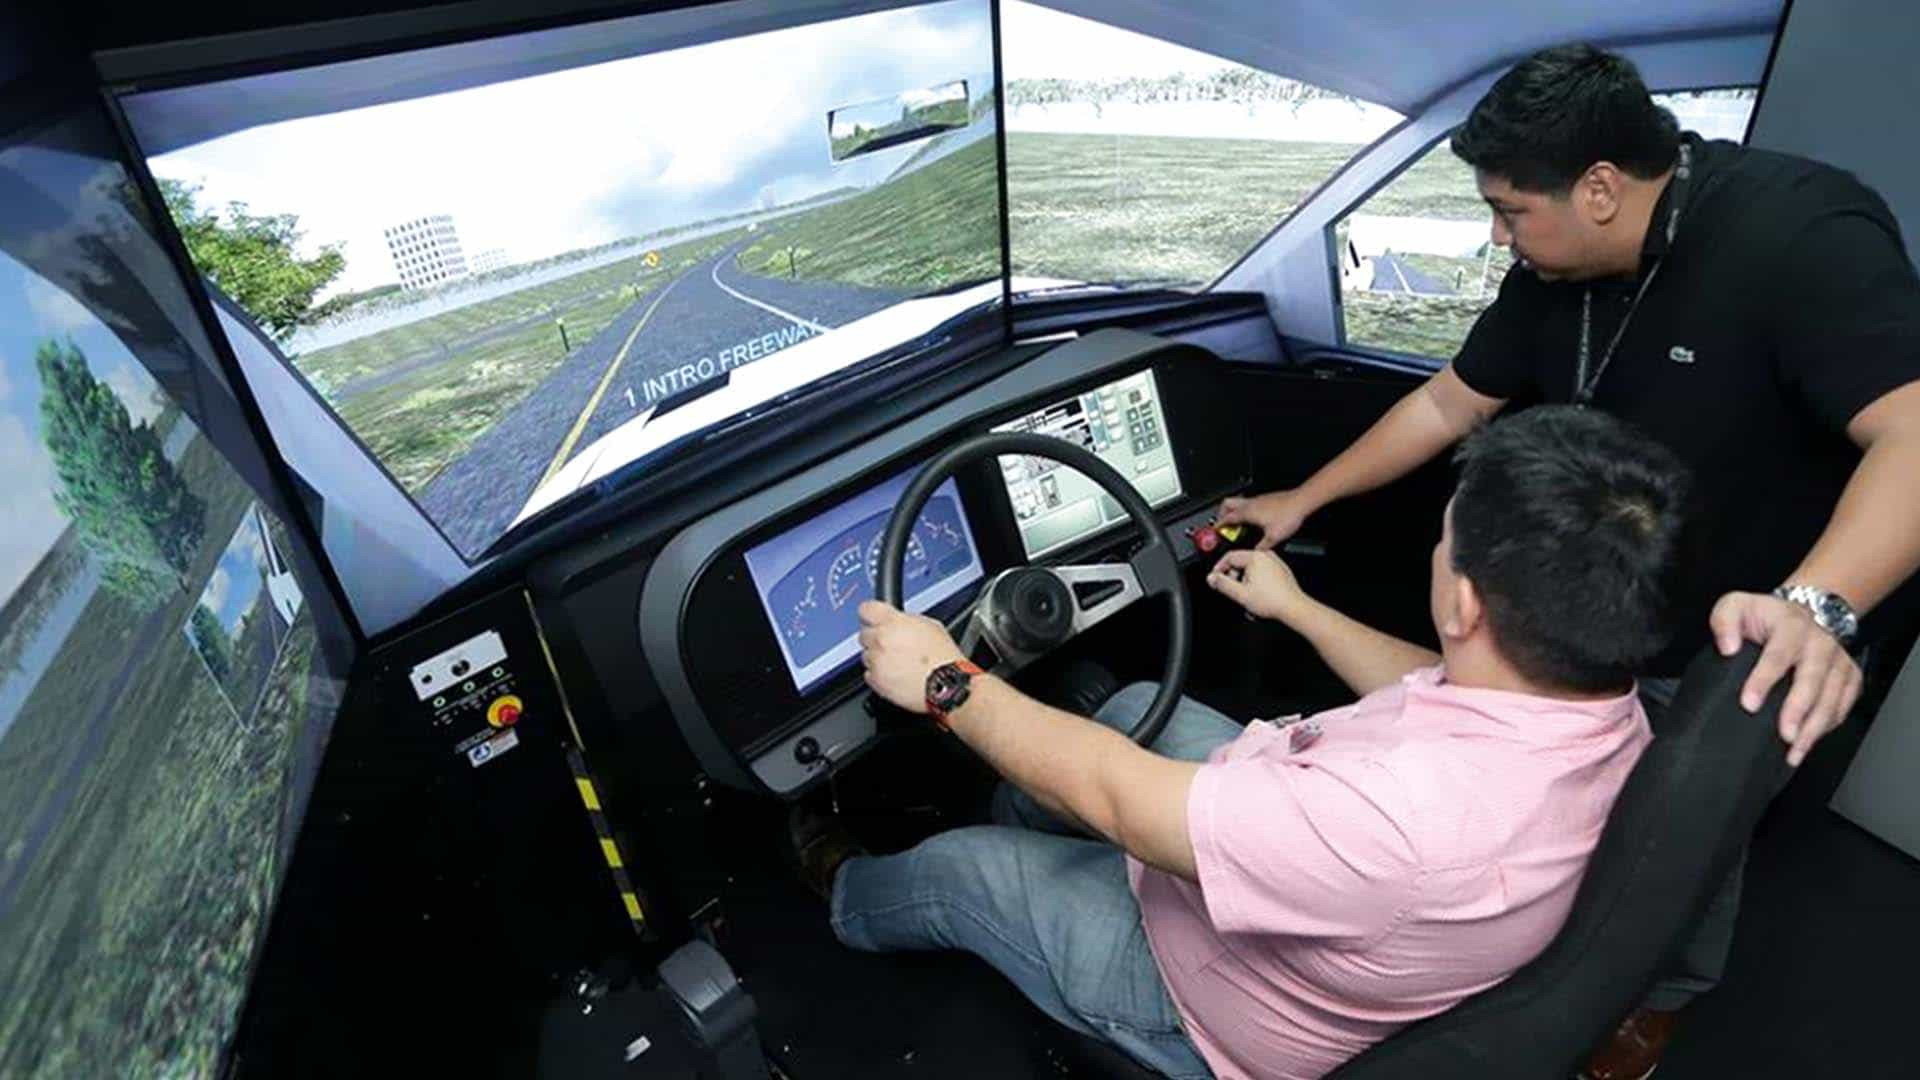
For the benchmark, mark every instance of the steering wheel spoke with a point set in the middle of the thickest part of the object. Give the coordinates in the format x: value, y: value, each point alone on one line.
x: 970, y: 633
x: 1100, y: 591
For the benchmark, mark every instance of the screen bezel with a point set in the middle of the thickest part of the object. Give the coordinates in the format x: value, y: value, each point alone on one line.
x: 733, y: 661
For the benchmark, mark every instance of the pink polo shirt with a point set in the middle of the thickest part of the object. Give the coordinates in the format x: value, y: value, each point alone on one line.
x: 1423, y: 847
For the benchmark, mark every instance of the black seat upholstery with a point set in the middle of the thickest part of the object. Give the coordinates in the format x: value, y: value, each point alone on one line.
x: 1673, y: 836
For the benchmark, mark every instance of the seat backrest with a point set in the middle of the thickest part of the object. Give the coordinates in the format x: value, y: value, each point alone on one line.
x: 1689, y: 806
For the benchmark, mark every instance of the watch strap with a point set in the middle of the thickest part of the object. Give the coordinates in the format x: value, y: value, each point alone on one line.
x: 941, y: 704
x: 1830, y: 610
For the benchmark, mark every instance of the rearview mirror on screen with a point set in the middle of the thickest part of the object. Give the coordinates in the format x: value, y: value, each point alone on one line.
x: 853, y: 130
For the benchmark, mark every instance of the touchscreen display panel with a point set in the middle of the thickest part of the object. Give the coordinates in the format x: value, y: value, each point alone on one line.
x: 812, y: 578
x: 1123, y: 424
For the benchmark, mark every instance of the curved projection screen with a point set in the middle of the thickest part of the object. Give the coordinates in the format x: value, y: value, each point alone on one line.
x: 164, y: 694
x: 507, y: 287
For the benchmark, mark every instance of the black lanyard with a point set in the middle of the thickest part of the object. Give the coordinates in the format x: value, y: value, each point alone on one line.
x: 1583, y: 383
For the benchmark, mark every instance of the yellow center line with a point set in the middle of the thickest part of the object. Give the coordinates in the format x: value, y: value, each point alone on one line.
x: 593, y: 403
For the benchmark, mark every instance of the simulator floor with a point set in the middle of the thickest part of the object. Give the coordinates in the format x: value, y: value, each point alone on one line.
x: 1818, y: 984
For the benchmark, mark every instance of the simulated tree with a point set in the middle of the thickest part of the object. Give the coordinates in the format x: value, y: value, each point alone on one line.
x: 252, y: 258
x: 129, y: 503
x: 216, y: 648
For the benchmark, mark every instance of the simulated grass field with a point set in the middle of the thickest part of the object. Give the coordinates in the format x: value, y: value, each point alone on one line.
x: 418, y: 395
x: 932, y: 228
x: 132, y: 920
x: 1132, y: 209
x: 1138, y: 209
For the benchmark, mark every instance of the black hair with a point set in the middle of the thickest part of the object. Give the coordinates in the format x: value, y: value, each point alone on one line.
x: 1571, y: 524
x: 1546, y: 122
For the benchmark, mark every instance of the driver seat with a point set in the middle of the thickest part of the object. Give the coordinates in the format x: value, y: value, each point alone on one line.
x: 1689, y: 806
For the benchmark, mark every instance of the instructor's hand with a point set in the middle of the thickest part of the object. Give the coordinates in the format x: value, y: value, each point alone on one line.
x: 1261, y: 583
x: 1826, y: 681
x: 1279, y: 514
x: 899, y: 651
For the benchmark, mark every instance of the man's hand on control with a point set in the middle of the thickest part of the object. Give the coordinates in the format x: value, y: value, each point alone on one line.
x: 899, y: 651
x: 1279, y: 514
x: 1260, y: 582
x: 1826, y: 681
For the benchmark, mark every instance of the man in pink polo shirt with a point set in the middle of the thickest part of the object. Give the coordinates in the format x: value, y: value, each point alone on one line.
x: 1268, y: 901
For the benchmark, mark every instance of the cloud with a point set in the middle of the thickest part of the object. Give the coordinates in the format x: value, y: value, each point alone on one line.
x: 567, y: 159
x: 219, y: 589
x: 55, y: 311
x: 135, y: 389
x: 6, y: 384
x: 34, y: 522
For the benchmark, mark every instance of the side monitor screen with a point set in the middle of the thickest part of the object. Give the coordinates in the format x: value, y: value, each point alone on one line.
x: 813, y: 577
x: 164, y: 701
x: 1123, y: 424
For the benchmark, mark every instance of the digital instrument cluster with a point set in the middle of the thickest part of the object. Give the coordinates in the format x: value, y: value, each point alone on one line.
x: 812, y: 578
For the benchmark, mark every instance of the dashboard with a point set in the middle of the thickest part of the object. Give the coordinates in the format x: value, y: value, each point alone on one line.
x: 747, y: 617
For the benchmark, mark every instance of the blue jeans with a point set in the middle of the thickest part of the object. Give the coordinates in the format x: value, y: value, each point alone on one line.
x: 1046, y: 905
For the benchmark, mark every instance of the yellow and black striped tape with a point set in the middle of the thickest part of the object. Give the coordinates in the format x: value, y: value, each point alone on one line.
x: 609, y: 848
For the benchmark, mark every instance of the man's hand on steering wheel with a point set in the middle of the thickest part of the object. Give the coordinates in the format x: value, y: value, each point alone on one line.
x: 900, y: 650
x: 1025, y: 612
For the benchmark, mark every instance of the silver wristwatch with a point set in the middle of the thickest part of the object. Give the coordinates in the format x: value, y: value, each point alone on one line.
x: 1830, y: 611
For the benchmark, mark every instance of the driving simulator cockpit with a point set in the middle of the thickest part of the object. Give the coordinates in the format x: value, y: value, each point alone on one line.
x: 447, y: 447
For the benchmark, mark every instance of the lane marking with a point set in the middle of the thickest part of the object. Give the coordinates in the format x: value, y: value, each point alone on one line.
x: 1405, y: 286
x: 762, y: 305
x: 593, y: 403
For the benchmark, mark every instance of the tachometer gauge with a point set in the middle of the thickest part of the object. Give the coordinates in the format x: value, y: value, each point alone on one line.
x: 916, y: 564
x: 845, y: 577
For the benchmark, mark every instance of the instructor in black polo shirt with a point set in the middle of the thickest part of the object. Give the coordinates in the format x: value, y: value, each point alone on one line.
x: 1756, y: 312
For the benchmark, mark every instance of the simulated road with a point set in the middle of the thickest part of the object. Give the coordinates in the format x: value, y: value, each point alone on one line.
x: 713, y: 317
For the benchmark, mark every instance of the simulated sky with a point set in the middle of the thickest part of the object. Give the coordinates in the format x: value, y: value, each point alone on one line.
x: 572, y: 159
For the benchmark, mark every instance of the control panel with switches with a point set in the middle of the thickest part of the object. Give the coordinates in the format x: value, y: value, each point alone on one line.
x: 471, y: 690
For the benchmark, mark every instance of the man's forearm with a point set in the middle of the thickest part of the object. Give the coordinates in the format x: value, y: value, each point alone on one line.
x: 1872, y: 542
x: 1049, y: 754
x: 1364, y: 658
x: 1084, y: 772
x: 1420, y: 425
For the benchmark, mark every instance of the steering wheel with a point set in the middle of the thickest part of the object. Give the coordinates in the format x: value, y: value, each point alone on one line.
x: 1028, y: 611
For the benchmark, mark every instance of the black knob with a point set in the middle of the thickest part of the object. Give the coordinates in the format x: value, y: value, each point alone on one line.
x: 807, y: 750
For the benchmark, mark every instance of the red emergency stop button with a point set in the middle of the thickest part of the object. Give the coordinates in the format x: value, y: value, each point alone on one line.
x: 504, y: 712
x: 1206, y: 538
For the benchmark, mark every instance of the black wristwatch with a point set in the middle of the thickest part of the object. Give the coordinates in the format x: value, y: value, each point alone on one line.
x: 948, y: 687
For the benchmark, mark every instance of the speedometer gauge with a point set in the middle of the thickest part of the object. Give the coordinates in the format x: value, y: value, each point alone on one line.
x: 845, y: 577
x: 916, y: 563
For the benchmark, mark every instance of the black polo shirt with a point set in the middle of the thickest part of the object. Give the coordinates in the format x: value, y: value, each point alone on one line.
x: 1786, y: 304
